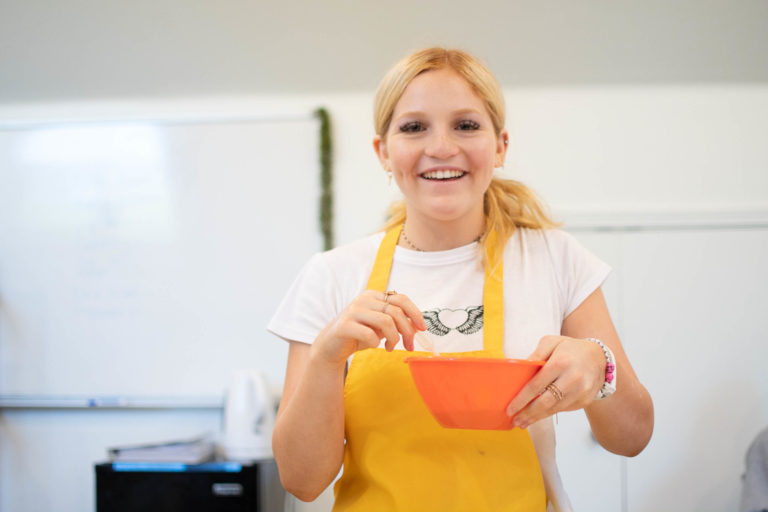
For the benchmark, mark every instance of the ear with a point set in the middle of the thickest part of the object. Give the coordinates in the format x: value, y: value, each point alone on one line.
x: 501, y: 148
x: 380, y: 147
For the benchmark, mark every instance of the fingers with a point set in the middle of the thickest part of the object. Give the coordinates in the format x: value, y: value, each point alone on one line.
x: 539, y: 398
x: 387, y: 316
x: 566, y: 382
x: 409, y: 309
x: 376, y: 316
x: 407, y: 316
x: 551, y: 400
x: 547, y: 374
x: 402, y: 326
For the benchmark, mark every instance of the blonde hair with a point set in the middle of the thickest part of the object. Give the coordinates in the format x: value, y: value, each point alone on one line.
x: 508, y: 203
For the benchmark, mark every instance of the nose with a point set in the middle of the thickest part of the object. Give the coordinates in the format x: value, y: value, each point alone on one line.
x: 441, y: 145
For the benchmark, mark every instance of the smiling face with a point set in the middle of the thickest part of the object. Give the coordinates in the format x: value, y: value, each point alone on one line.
x: 441, y: 148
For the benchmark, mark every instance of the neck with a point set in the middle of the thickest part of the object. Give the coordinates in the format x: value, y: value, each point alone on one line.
x: 430, y: 235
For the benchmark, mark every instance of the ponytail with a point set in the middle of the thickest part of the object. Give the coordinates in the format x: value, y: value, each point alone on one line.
x: 510, y: 204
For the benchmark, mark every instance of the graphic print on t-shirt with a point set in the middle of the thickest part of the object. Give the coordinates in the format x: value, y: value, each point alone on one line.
x: 444, y: 320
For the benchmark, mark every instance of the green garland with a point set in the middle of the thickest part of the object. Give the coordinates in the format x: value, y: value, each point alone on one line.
x: 326, y: 178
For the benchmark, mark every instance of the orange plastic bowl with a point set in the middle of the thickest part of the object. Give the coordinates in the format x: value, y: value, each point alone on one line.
x: 471, y: 392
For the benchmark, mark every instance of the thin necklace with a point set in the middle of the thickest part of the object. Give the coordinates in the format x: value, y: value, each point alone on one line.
x: 413, y: 246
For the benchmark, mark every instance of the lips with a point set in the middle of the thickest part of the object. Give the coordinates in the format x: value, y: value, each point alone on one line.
x: 443, y: 174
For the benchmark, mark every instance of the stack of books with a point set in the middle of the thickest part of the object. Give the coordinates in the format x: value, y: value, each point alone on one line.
x: 187, y: 451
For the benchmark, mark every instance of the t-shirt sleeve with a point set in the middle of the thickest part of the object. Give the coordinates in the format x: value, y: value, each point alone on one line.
x: 308, y: 306
x: 580, y: 272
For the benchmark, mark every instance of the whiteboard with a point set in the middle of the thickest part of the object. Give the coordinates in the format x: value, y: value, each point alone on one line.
x: 146, y: 258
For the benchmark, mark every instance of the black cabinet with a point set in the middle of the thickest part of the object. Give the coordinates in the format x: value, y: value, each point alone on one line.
x: 209, y: 487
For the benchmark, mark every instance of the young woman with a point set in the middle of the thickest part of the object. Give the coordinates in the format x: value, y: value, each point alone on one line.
x: 478, y: 265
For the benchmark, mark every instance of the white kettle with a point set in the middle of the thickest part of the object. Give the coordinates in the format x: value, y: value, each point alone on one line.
x: 249, y: 416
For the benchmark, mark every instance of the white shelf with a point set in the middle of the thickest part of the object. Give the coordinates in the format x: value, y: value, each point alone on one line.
x: 109, y: 402
x: 662, y: 220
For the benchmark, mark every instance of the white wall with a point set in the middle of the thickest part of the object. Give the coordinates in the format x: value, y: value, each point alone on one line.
x: 663, y: 159
x: 656, y: 153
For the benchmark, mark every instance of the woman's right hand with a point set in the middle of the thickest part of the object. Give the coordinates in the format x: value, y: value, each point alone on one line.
x: 369, y: 318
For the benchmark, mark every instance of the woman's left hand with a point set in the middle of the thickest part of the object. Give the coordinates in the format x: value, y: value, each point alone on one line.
x: 570, y: 379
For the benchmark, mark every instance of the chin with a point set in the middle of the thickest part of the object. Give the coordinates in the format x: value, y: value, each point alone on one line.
x: 448, y: 213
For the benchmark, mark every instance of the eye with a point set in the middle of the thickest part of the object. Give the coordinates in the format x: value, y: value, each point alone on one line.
x: 411, y: 127
x: 467, y: 125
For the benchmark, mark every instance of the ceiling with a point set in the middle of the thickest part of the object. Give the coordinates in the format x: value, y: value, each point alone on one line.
x: 85, y: 49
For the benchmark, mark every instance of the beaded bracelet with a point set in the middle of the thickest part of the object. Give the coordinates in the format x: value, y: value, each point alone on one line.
x: 609, y: 386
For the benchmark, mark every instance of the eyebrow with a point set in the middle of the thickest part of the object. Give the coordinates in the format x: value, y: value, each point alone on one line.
x: 459, y: 112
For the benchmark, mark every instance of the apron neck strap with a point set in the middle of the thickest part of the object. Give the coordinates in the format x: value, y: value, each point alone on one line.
x: 493, y: 287
x: 382, y: 265
x: 493, y: 298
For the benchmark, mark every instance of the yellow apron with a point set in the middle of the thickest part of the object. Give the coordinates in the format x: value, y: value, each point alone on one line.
x: 398, y: 458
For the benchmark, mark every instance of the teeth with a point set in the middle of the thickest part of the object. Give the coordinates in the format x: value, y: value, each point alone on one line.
x: 443, y: 174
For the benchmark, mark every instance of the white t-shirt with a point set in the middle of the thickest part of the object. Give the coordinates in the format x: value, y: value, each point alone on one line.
x: 547, y: 274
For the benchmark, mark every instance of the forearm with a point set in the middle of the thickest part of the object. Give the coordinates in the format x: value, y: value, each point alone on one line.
x: 308, y: 439
x: 623, y: 422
